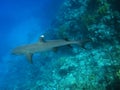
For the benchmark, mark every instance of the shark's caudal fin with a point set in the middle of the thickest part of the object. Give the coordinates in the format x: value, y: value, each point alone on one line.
x: 83, y: 42
x: 29, y: 57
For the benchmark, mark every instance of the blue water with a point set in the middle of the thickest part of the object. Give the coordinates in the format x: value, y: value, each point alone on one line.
x: 21, y: 22
x: 91, y: 64
x: 19, y: 16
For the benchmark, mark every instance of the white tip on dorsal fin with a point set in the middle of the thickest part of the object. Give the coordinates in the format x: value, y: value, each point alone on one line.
x: 42, y: 38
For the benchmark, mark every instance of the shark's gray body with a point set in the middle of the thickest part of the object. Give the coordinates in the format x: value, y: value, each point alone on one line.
x: 40, y: 46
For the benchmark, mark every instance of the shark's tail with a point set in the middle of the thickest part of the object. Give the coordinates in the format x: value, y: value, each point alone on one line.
x: 83, y: 42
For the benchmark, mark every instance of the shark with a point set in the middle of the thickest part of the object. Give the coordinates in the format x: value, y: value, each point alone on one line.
x: 42, y: 45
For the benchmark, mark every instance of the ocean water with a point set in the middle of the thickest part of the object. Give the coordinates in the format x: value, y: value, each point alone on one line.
x: 21, y: 22
x: 92, y: 63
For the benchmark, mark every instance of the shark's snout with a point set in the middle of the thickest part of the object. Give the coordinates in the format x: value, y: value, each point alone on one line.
x: 15, y: 52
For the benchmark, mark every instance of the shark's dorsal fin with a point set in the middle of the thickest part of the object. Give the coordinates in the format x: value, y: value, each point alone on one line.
x: 29, y: 57
x: 42, y: 39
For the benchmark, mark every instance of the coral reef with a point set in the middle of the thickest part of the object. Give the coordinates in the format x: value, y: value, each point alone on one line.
x: 99, y: 67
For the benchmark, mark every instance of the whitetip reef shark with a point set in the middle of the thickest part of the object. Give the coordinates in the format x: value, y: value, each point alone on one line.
x: 42, y: 45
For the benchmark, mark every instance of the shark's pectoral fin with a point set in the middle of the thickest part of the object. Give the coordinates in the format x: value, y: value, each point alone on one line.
x: 29, y: 57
